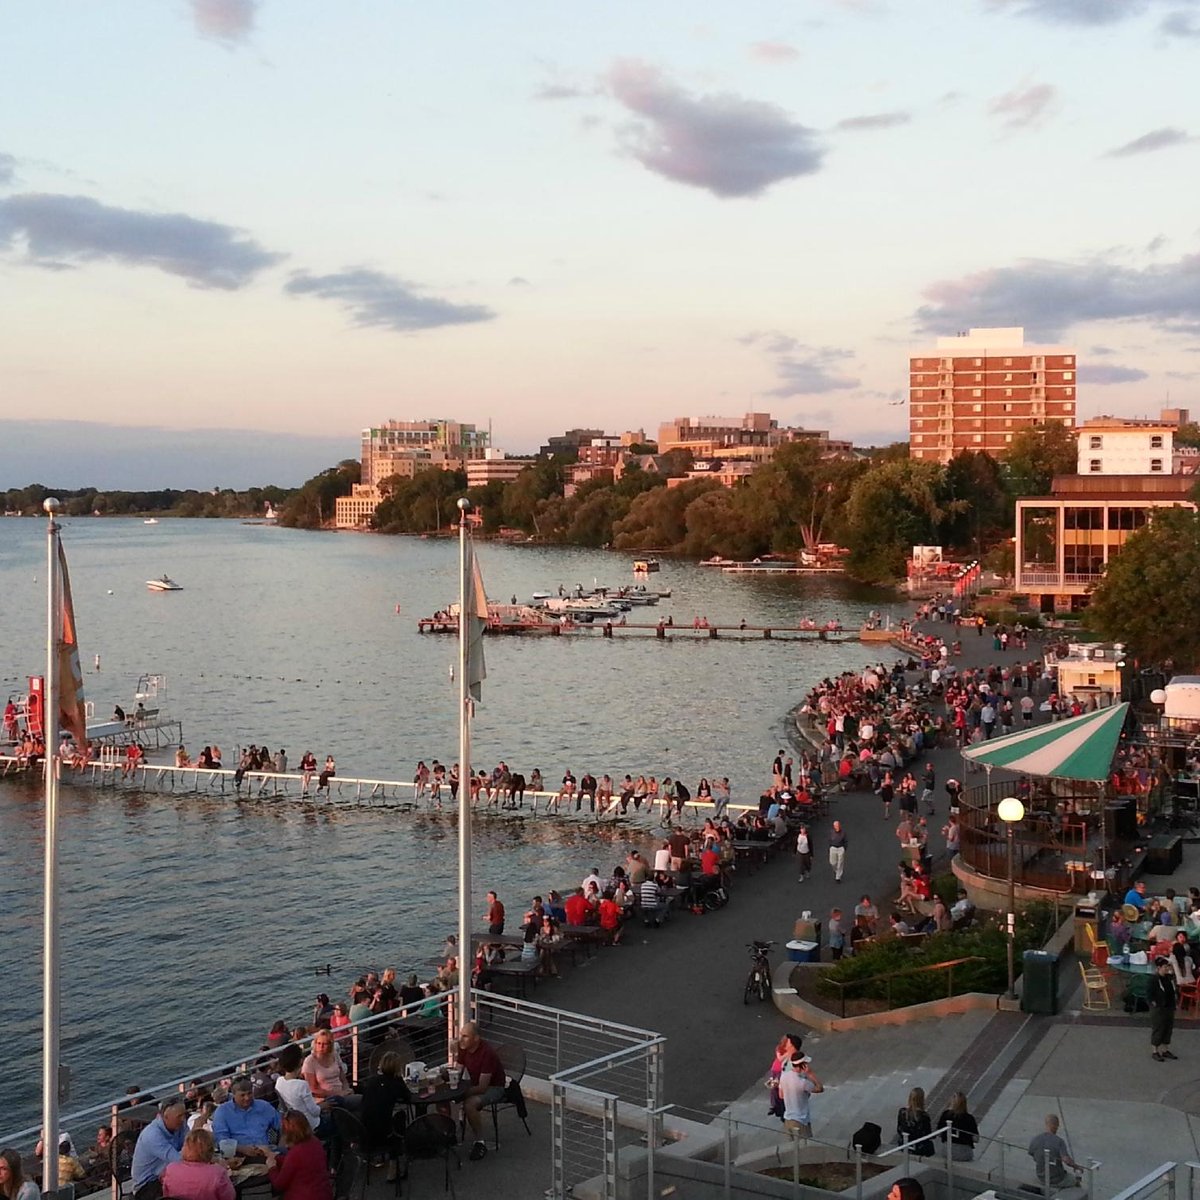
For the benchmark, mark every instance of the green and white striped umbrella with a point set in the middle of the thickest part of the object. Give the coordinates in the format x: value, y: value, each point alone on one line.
x: 1077, y: 748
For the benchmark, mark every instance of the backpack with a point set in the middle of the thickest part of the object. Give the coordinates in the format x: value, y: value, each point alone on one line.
x: 867, y: 1137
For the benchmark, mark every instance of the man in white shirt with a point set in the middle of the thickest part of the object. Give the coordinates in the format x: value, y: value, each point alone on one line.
x: 594, y: 877
x: 796, y: 1085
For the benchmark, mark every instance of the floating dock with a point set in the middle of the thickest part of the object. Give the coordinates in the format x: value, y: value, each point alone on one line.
x: 658, y: 630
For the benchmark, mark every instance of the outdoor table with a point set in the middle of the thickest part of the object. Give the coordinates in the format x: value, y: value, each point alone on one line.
x: 496, y: 939
x: 247, y: 1175
x: 586, y: 936
x: 752, y: 851
x: 443, y: 1093
x: 520, y: 969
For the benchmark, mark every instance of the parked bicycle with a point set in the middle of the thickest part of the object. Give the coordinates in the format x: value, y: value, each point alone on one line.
x: 758, y: 982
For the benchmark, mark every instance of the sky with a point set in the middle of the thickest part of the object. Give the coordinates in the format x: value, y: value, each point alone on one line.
x: 284, y: 219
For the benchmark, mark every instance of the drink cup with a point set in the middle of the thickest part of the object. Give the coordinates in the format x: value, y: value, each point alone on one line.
x: 455, y: 1074
x: 228, y: 1147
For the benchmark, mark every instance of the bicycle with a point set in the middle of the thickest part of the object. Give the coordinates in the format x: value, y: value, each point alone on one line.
x: 758, y: 982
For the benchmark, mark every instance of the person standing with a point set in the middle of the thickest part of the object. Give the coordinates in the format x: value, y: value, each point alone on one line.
x: 837, y: 935
x: 837, y: 851
x: 1162, y: 994
x: 1051, y: 1155
x: 495, y: 914
x: 796, y: 1085
x: 804, y: 852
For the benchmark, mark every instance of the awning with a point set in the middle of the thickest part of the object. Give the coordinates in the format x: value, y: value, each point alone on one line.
x: 1077, y: 748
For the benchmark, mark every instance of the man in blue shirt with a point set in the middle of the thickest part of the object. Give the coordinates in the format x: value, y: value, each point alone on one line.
x: 158, y: 1145
x: 247, y: 1121
x: 1136, y: 895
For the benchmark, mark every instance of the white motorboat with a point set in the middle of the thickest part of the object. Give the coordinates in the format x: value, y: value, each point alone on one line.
x: 150, y: 521
x: 165, y: 584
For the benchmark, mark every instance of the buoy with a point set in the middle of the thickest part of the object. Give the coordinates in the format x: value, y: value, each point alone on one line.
x: 110, y: 591
x: 397, y: 610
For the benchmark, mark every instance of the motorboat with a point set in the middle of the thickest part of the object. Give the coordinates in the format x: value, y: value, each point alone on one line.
x: 583, y: 610
x: 150, y: 521
x: 643, y: 566
x: 165, y: 584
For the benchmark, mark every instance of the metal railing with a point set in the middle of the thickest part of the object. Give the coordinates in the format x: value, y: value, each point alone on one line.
x: 886, y: 978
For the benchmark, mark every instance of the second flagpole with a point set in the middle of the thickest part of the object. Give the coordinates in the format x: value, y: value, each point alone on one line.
x: 465, y: 959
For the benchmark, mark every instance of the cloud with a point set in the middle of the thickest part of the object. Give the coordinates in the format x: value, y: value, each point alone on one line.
x: 1105, y: 373
x: 8, y: 168
x: 726, y: 144
x: 1156, y: 139
x: 226, y: 21
x: 1181, y: 24
x: 1049, y: 296
x: 1024, y: 107
x: 1183, y: 374
x: 62, y: 230
x: 1075, y: 12
x: 1101, y: 351
x: 884, y: 120
x: 774, y: 52
x: 802, y: 370
x: 519, y: 281
x: 376, y: 300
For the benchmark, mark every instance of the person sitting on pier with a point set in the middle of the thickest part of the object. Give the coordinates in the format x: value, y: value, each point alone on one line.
x: 604, y: 794
x: 327, y: 774
x: 587, y: 791
x: 249, y: 1122
x: 420, y: 779
x: 565, y: 792
x: 308, y: 768
x: 515, y: 792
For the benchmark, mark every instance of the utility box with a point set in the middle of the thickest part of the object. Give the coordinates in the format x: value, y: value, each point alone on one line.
x: 1039, y: 983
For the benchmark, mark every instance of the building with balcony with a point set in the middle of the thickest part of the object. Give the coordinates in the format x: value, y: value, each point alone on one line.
x: 975, y: 390
x: 753, y: 437
x: 1064, y: 541
x: 405, y: 447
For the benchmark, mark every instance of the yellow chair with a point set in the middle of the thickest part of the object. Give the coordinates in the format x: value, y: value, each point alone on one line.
x: 1095, y: 988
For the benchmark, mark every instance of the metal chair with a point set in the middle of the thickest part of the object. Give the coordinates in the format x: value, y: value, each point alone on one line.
x: 430, y: 1137
x: 350, y: 1168
x: 512, y: 1059
x: 351, y: 1140
x: 1095, y: 994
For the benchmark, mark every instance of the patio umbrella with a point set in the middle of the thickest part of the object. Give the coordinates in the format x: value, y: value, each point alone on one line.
x: 1077, y: 748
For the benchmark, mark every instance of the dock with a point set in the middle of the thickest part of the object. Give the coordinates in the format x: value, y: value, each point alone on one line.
x: 344, y: 791
x: 659, y: 630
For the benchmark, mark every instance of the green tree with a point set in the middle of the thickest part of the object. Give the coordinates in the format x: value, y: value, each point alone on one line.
x: 986, y: 511
x: 1150, y: 593
x: 312, y: 506
x: 656, y: 518
x: 1188, y: 434
x: 1035, y: 455
x: 893, y: 506
x: 714, y: 526
x: 522, y: 497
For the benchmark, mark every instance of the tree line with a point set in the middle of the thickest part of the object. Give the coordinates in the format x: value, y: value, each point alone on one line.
x: 878, y: 506
x: 174, y: 502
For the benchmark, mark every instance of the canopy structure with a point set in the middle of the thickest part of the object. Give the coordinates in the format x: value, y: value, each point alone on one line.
x: 1077, y: 748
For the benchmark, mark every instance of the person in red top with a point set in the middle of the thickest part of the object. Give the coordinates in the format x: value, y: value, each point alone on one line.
x: 303, y: 1172
x: 495, y: 914
x: 482, y: 1064
x: 578, y: 910
x: 610, y: 917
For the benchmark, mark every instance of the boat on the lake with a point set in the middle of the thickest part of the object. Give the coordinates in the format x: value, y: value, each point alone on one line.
x: 644, y: 566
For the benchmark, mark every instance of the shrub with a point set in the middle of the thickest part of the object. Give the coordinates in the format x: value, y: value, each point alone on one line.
x: 986, y: 942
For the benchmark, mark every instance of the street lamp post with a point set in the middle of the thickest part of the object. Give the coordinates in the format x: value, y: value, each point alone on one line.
x: 1010, y: 810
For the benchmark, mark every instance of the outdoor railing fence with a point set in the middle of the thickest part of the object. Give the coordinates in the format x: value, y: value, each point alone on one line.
x: 886, y: 978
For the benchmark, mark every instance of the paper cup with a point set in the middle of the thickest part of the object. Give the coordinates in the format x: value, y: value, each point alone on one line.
x: 228, y: 1147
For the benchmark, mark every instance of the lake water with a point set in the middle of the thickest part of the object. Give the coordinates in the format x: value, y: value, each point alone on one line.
x: 190, y: 924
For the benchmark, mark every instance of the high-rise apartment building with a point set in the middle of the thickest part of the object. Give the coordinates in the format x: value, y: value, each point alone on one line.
x: 405, y: 447
x: 974, y: 390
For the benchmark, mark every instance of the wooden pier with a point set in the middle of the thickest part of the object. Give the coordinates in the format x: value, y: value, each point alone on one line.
x: 344, y: 791
x: 659, y: 630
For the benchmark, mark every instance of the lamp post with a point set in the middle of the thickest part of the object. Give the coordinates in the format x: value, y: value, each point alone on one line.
x: 1010, y: 810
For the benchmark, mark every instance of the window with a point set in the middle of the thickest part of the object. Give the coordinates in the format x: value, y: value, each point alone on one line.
x: 1094, y: 465
x: 918, y: 392
x: 1007, y: 424
x: 917, y: 437
x: 1126, y: 518
x: 1156, y: 442
x: 1008, y: 437
x: 976, y: 424
x: 1083, y: 518
x: 1008, y: 408
x: 1068, y: 374
x: 1095, y: 442
x: 918, y: 362
x: 979, y: 362
x: 1008, y: 362
x: 1068, y: 391
x: 1008, y: 377
x: 977, y: 438
x: 978, y: 376
x: 1069, y: 360
x: 1156, y: 464
x: 1007, y: 392
x: 977, y: 407
x: 976, y: 392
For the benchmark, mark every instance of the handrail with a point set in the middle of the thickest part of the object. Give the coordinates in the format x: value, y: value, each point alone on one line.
x: 240, y: 1062
x: 1166, y: 1171
x: 947, y: 965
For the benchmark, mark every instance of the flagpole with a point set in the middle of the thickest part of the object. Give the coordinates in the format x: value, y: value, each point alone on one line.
x: 50, y: 1017
x: 465, y: 959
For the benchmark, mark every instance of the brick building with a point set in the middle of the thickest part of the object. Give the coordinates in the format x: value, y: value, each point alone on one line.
x: 974, y: 390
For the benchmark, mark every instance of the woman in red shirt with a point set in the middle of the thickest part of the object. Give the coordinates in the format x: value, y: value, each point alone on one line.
x: 610, y: 918
x: 303, y: 1172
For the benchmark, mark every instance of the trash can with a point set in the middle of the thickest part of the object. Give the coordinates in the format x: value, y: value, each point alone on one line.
x: 1087, y: 917
x: 804, y: 952
x: 1039, y: 982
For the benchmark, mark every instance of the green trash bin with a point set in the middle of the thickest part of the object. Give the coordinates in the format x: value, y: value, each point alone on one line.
x: 1039, y: 982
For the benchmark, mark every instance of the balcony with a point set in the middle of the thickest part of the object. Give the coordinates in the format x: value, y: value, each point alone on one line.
x: 1054, y: 581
